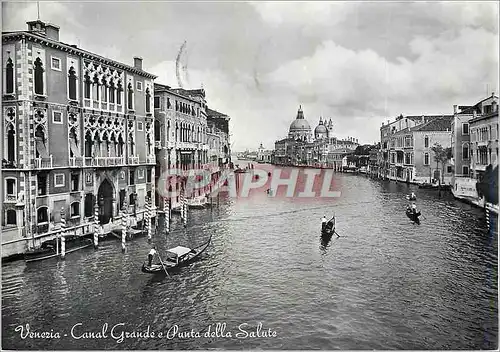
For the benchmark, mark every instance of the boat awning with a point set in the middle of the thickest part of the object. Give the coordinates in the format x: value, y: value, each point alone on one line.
x: 179, y: 251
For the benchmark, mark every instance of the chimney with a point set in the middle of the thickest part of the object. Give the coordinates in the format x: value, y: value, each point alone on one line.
x: 492, y: 94
x: 138, y: 62
x: 455, y: 109
x: 474, y: 113
x: 52, y: 31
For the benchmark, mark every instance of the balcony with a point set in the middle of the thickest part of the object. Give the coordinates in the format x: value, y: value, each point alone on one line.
x: 170, y: 144
x: 151, y: 159
x: 158, y: 144
x: 104, y: 161
x: 43, y: 163
x: 10, y: 198
x: 76, y: 161
x: 133, y: 160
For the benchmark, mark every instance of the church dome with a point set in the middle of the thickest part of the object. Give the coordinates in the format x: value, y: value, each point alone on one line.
x: 320, y: 129
x: 300, y: 124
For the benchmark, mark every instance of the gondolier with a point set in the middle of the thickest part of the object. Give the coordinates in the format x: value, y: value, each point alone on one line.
x: 151, y: 255
x: 323, y: 222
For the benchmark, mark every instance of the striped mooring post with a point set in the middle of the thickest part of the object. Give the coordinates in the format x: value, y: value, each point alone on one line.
x: 488, y: 218
x: 63, y: 232
x: 124, y: 226
x: 184, y: 209
x: 148, y: 219
x: 166, y: 207
x: 97, y: 228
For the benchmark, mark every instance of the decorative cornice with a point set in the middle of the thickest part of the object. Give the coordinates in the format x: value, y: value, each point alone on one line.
x: 72, y: 50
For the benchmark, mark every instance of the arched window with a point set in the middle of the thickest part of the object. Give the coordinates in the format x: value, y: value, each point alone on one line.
x: 120, y: 146
x: 95, y: 89
x: 38, y: 76
x: 88, y: 145
x: 112, y: 92
x: 40, y: 143
x: 426, y: 142
x: 9, y: 77
x: 73, y: 144
x: 131, y: 199
x: 11, y: 217
x: 42, y: 215
x: 130, y: 96
x: 465, y: 151
x: 104, y: 90
x: 11, y: 143
x: 105, y: 145
x: 72, y: 83
x: 119, y: 90
x: 168, y: 131
x: 148, y: 100
x: 87, y: 86
x: 131, y: 144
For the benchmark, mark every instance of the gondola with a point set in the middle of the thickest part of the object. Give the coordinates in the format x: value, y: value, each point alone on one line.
x: 413, y: 216
x: 328, y: 228
x: 409, y: 197
x: 51, y: 249
x: 176, y: 257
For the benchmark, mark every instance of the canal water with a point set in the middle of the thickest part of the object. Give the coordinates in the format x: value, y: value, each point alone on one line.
x: 384, y: 284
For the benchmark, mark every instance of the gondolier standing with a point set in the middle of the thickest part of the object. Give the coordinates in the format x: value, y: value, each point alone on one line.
x: 323, y: 222
x: 151, y: 254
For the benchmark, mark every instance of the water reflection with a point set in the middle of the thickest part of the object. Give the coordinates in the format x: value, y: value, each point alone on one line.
x: 388, y: 284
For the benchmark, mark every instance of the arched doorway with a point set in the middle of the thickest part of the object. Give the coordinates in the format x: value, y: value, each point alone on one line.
x: 105, y: 199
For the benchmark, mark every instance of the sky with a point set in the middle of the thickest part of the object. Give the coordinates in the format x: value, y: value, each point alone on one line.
x: 358, y: 63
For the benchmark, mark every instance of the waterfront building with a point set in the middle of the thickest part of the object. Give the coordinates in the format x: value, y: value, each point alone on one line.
x: 463, y: 183
x: 219, y: 124
x: 263, y: 155
x: 300, y: 148
x: 484, y: 136
x: 79, y: 138
x: 406, y: 149
x: 180, y: 134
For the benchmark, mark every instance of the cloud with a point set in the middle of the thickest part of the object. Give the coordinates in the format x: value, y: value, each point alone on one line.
x: 304, y: 13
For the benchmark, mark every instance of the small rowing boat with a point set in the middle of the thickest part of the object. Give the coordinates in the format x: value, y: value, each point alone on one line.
x: 176, y: 257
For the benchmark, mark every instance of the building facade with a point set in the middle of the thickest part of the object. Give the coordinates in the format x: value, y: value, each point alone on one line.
x: 180, y: 135
x: 77, y: 125
x: 484, y: 137
x: 406, y: 148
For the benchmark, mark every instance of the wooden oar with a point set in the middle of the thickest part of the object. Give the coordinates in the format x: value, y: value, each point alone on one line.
x: 162, y: 265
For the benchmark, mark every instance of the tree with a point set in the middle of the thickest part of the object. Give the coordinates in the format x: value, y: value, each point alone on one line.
x: 441, y: 156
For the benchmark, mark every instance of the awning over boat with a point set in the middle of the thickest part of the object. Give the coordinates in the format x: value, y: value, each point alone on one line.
x: 179, y: 251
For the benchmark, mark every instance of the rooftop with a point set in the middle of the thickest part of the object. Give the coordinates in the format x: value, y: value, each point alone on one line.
x: 442, y: 123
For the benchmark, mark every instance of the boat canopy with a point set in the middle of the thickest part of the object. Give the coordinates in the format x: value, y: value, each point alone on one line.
x: 179, y: 251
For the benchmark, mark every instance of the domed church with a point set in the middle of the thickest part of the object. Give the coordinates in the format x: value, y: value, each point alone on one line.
x: 323, y: 130
x: 299, y: 128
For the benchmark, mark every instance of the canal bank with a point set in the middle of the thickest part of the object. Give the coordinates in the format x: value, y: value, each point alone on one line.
x: 384, y: 284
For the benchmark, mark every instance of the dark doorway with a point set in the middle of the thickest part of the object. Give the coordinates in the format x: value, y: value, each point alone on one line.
x: 105, y: 199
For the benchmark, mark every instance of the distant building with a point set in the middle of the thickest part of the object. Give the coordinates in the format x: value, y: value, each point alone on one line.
x: 263, y: 155
x: 300, y: 148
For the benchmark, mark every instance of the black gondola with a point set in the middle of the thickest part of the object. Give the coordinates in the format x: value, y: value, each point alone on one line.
x: 328, y: 228
x: 176, y: 257
x: 413, y: 216
x: 52, y: 248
